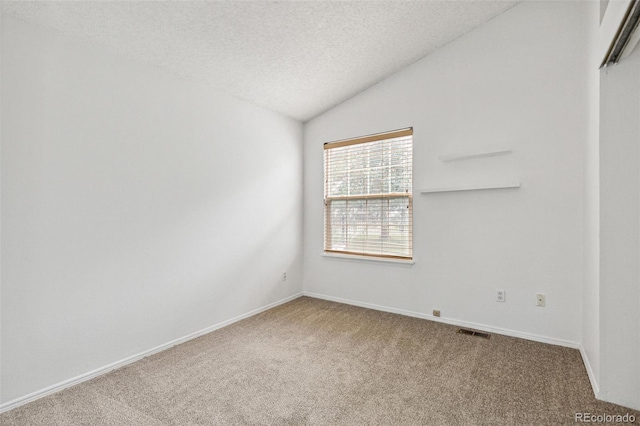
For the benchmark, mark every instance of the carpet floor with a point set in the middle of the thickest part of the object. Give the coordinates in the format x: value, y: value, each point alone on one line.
x: 314, y: 362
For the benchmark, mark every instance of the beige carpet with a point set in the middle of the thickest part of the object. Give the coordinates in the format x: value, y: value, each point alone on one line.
x: 321, y: 363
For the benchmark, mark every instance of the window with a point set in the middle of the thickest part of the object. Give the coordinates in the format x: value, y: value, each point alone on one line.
x: 368, y: 195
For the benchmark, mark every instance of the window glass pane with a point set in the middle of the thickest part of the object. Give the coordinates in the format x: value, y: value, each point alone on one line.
x: 339, y: 183
x: 358, y: 182
x: 368, y: 197
x: 398, y: 179
x: 377, y: 184
x: 338, y: 225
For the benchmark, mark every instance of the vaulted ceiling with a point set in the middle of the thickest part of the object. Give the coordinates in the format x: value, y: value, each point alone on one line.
x: 299, y: 58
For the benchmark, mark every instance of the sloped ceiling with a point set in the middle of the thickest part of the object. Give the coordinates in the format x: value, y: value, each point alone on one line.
x: 298, y: 58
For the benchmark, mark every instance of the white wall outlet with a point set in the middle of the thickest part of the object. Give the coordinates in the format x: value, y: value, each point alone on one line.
x: 436, y: 312
x: 284, y: 276
x: 541, y: 300
x: 501, y: 295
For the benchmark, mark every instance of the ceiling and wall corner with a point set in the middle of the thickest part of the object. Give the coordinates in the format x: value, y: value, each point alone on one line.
x: 296, y: 58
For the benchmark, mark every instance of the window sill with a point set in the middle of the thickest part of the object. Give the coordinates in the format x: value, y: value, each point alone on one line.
x: 367, y: 259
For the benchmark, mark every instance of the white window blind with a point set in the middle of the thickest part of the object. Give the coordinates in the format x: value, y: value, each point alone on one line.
x: 368, y: 195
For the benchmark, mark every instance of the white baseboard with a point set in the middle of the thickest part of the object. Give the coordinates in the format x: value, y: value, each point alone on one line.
x: 459, y: 323
x: 590, y: 373
x: 118, y: 364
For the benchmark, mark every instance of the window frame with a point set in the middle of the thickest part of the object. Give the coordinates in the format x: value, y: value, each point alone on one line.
x: 408, y: 195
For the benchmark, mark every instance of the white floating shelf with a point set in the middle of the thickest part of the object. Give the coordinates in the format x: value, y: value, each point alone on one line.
x: 472, y: 187
x: 470, y: 155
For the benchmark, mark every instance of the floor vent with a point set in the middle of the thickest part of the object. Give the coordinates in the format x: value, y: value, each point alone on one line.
x: 474, y: 333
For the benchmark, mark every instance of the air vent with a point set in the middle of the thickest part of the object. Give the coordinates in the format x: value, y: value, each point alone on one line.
x: 474, y: 333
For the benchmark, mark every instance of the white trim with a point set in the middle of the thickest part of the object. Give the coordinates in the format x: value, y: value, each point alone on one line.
x: 469, y: 155
x: 474, y: 187
x: 118, y: 364
x: 451, y: 321
x: 340, y: 256
x: 592, y: 377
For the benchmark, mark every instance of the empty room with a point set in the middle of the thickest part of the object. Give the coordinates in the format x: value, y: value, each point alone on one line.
x: 319, y: 212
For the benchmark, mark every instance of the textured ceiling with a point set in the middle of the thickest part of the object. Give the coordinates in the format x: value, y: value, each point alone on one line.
x: 298, y: 58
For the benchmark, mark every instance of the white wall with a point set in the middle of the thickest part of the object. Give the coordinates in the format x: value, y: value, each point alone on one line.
x: 620, y: 232
x: 517, y: 82
x: 137, y: 208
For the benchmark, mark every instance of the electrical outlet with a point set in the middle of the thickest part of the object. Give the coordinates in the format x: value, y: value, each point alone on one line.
x: 436, y: 312
x: 501, y: 295
x: 541, y: 300
x: 284, y: 276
